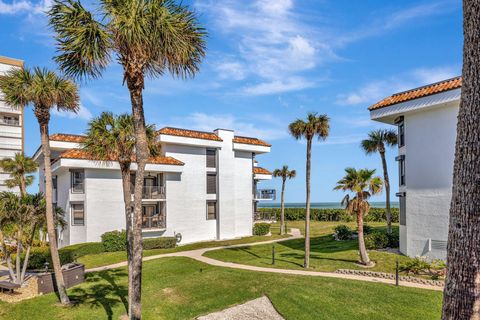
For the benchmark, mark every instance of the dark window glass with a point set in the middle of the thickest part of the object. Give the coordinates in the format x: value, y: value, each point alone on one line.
x: 211, y: 210
x: 211, y: 158
x: 401, y: 165
x: 401, y: 134
x: 403, y: 210
x: 211, y: 183
x: 78, y: 214
x: 78, y: 178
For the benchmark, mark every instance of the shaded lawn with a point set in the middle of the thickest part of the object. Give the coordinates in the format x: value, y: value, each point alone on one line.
x: 326, y: 253
x: 106, y: 258
x: 181, y: 288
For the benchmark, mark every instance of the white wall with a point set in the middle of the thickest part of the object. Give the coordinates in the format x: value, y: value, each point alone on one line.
x: 243, y: 193
x: 429, y: 154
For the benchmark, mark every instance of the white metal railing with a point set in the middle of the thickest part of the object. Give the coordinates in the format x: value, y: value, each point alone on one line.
x: 10, y: 122
x: 155, y: 221
x: 265, y: 194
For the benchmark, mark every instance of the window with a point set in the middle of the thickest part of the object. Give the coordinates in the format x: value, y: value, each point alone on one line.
x: 78, y: 214
x: 10, y: 120
x: 211, y: 158
x: 77, y: 177
x: 401, y: 169
x: 211, y: 210
x: 403, y: 210
x: 211, y: 183
x: 401, y: 131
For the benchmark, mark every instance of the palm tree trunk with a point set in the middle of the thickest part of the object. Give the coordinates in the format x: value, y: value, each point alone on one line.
x: 386, y: 181
x: 23, y: 186
x: 364, y: 259
x: 43, y: 117
x: 7, y: 257
x: 461, y: 296
x: 127, y: 198
x: 27, y: 255
x: 282, y: 210
x: 135, y: 85
x: 18, y: 256
x: 306, y: 262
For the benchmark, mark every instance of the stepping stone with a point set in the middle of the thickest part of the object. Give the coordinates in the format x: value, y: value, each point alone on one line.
x: 257, y: 309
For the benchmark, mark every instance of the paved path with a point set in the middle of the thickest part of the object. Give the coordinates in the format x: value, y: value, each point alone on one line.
x: 198, y: 255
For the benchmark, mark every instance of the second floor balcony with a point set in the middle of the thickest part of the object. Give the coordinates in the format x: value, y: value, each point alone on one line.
x: 151, y: 192
x: 265, y: 194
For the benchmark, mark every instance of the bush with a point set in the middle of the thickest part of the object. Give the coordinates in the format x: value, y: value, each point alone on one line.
x: 261, y: 229
x: 40, y: 255
x: 415, y: 266
x: 343, y: 232
x: 339, y: 214
x: 83, y: 249
x: 367, y: 229
x: 159, y: 243
x: 376, y: 240
x: 115, y: 241
x: 394, y: 239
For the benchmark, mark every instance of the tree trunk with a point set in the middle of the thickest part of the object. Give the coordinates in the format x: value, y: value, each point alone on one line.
x: 386, y: 182
x: 461, y: 298
x: 27, y: 255
x: 127, y: 198
x: 282, y: 209
x: 306, y: 263
x: 43, y: 117
x: 18, y: 262
x: 364, y: 259
x: 23, y: 186
x: 7, y: 257
x: 135, y: 85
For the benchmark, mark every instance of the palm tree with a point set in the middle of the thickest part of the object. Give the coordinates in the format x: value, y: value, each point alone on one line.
x: 19, y: 167
x: 112, y: 138
x: 363, y: 185
x: 147, y: 38
x: 314, y: 126
x: 45, y: 90
x: 376, y: 142
x: 460, y: 297
x: 285, y: 174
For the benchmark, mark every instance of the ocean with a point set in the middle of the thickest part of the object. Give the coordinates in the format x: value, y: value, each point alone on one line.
x: 320, y: 205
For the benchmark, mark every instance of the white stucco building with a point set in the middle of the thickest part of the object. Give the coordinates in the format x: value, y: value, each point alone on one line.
x: 426, y: 118
x: 11, y: 124
x: 203, y: 187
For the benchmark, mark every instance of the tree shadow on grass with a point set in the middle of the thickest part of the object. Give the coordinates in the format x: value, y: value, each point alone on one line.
x: 313, y: 257
x: 246, y: 250
x: 322, y: 244
x: 103, y: 291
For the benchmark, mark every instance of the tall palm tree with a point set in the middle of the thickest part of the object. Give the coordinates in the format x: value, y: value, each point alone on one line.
x: 19, y: 167
x: 45, y: 90
x: 461, y: 299
x: 112, y: 138
x: 285, y: 174
x: 314, y: 126
x: 363, y: 184
x: 147, y: 38
x: 376, y: 142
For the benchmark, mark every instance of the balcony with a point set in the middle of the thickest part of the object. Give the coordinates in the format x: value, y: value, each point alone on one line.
x: 154, y: 221
x: 265, y: 194
x: 10, y: 122
x: 151, y: 192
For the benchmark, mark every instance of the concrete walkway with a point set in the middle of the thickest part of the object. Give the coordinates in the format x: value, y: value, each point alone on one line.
x: 198, y: 255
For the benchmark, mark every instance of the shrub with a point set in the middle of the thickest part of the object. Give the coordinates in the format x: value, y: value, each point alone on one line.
x: 115, y: 241
x: 415, y: 266
x: 376, y: 240
x: 40, y: 255
x: 83, y: 249
x: 261, y: 229
x: 393, y: 239
x: 367, y: 229
x: 159, y: 243
x: 343, y: 232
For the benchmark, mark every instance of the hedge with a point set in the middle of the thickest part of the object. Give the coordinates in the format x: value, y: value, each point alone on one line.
x: 261, y: 229
x: 159, y: 243
x: 296, y: 214
x: 115, y: 240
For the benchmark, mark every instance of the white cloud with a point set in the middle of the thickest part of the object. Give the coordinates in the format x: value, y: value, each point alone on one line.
x: 275, y: 7
x: 24, y: 7
x: 269, y: 128
x: 83, y: 113
x: 279, y: 86
x: 379, y: 89
x: 231, y: 70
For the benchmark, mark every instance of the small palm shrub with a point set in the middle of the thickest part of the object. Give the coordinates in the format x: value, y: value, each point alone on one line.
x: 420, y: 266
x: 115, y: 240
x: 261, y: 229
x: 342, y: 232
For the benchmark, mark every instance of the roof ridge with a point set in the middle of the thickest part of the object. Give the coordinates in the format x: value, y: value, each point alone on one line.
x: 426, y: 86
x: 199, y: 131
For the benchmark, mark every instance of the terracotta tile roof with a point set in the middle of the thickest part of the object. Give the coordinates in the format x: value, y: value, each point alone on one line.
x: 189, y: 133
x: 420, y: 92
x: 247, y: 140
x: 259, y: 170
x: 83, y: 155
x: 67, y: 137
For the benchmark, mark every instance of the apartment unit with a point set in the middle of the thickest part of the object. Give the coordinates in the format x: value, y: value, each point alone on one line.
x: 11, y: 123
x: 426, y: 118
x: 202, y: 187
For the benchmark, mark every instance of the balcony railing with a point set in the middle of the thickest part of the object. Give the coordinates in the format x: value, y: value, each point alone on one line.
x: 156, y: 221
x: 10, y: 122
x: 265, y: 194
x: 151, y: 192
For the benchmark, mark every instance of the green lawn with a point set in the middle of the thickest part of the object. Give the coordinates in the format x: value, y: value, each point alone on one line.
x: 326, y: 253
x: 103, y: 259
x: 181, y: 288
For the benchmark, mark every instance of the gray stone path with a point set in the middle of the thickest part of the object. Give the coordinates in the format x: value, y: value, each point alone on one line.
x: 257, y: 309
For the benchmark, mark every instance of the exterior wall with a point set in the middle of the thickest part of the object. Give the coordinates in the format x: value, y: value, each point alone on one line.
x: 243, y: 193
x: 429, y: 155
x: 11, y: 135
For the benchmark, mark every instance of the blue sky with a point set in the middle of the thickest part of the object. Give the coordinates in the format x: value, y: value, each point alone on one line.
x: 268, y: 63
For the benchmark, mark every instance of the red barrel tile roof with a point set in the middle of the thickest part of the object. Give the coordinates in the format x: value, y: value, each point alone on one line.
x: 67, y: 137
x: 189, y: 133
x: 260, y: 170
x: 248, y: 140
x: 83, y: 155
x: 420, y: 92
